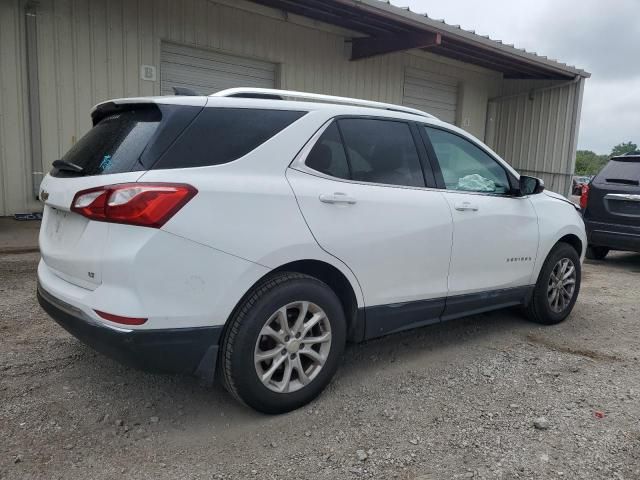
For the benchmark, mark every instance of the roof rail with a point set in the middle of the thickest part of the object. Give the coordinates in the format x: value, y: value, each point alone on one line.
x: 270, y: 93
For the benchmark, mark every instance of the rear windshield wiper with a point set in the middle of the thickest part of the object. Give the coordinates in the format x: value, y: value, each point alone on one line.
x: 67, y: 166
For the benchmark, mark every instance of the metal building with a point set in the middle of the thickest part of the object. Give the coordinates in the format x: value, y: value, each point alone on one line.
x: 60, y: 57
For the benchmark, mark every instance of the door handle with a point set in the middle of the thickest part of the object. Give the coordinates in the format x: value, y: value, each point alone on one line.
x: 466, y: 207
x: 337, y: 197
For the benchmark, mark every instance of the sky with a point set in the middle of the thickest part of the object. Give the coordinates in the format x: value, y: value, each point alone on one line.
x: 599, y: 36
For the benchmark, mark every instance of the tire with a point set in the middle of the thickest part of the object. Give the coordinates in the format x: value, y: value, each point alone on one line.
x: 283, y: 294
x: 596, y: 253
x: 544, y: 307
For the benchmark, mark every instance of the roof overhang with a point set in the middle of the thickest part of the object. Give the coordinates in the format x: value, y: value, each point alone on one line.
x: 390, y: 29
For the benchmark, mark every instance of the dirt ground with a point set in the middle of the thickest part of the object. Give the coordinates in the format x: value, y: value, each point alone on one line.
x: 491, y: 396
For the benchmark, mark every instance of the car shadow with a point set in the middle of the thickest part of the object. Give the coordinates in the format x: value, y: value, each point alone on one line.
x: 184, y: 403
x: 629, y: 261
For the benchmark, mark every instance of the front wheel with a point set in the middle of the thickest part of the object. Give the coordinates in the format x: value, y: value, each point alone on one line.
x: 284, y: 343
x: 557, y: 288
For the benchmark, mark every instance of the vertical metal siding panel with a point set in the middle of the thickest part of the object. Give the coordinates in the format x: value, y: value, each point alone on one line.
x: 576, y: 112
x: 115, y: 49
x: 547, y: 143
x: 508, y: 129
x: 47, y: 65
x: 568, y: 119
x: 83, y: 78
x: 174, y: 21
x: 131, y: 62
x: 7, y: 44
x: 213, y: 25
x: 161, y: 26
x: 523, y: 138
x: 65, y: 74
x: 499, y: 131
x: 99, y: 52
x: 188, y: 22
x: 146, y: 44
x: 539, y: 145
x: 14, y: 164
x: 560, y: 160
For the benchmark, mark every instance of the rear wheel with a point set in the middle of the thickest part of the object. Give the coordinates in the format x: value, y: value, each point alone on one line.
x: 596, y: 253
x: 283, y: 345
x: 557, y: 288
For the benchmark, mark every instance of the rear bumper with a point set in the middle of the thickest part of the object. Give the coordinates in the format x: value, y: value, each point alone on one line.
x: 180, y: 350
x: 616, y: 237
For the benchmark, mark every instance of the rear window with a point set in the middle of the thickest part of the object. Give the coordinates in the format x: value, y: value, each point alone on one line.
x: 222, y: 135
x: 114, y: 144
x: 620, y: 171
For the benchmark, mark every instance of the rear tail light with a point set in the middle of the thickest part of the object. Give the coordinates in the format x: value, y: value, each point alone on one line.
x: 143, y: 204
x: 122, y: 320
x: 584, y: 196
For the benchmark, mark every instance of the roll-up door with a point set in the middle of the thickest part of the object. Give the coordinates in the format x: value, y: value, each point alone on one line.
x: 432, y: 93
x: 206, y: 71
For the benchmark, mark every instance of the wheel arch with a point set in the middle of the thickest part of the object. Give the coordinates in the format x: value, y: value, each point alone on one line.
x: 350, y: 295
x: 339, y: 283
x: 574, y: 241
x: 570, y: 235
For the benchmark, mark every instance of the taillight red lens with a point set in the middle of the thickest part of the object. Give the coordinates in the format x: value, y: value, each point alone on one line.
x: 143, y: 204
x: 584, y: 196
x: 123, y: 320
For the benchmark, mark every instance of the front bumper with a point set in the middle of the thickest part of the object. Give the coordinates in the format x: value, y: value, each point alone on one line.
x: 190, y: 351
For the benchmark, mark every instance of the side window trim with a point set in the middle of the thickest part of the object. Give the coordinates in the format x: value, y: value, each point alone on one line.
x: 344, y: 146
x: 436, y: 165
x: 433, y: 159
x: 425, y: 161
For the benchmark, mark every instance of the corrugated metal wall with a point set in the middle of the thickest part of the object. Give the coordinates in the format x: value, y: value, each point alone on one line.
x: 15, y: 181
x: 536, y: 125
x: 92, y: 50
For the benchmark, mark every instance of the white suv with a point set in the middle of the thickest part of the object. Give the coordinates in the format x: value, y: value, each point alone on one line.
x: 257, y: 231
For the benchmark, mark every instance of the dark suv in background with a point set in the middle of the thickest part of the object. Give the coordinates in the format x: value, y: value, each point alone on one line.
x: 611, y: 207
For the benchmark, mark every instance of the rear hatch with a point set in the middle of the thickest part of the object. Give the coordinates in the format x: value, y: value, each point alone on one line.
x: 127, y: 138
x: 614, y: 194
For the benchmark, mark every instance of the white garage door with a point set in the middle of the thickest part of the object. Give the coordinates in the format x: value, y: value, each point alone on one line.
x: 207, y: 72
x: 435, y: 94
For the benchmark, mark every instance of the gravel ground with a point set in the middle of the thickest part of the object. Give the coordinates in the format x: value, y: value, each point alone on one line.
x: 491, y: 396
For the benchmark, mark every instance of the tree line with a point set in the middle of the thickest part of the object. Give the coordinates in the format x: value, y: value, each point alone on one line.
x: 590, y: 163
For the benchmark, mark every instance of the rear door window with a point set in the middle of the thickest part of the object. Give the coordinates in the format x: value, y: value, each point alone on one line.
x: 115, y: 143
x: 222, y: 135
x: 381, y: 151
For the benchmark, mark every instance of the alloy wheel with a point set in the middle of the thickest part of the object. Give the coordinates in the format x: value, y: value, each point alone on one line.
x: 292, y: 347
x: 562, y: 285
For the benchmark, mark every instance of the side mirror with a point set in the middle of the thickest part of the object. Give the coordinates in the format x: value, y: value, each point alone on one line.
x: 530, y: 185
